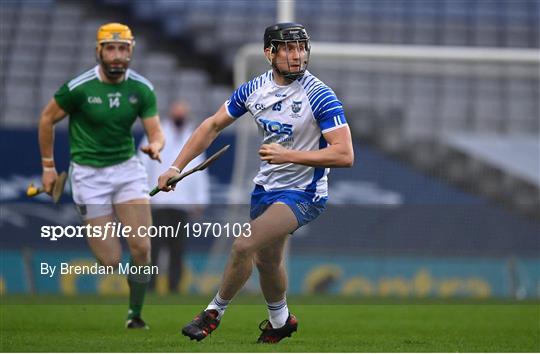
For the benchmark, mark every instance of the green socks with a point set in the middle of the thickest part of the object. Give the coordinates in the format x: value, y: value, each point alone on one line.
x: 138, y: 283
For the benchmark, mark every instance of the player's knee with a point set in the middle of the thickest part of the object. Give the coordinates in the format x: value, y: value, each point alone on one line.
x: 141, y: 252
x: 111, y: 260
x: 242, y: 249
x: 266, y: 264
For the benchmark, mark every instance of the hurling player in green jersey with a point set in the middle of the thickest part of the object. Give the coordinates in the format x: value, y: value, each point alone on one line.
x: 108, y: 181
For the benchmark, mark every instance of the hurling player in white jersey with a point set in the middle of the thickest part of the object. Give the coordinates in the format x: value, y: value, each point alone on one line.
x: 304, y: 134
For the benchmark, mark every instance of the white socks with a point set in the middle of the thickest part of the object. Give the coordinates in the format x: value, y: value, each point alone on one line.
x: 278, y: 312
x: 218, y: 304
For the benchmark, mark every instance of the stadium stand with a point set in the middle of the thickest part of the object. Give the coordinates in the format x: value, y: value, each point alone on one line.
x: 437, y: 22
x: 45, y: 43
x: 221, y: 27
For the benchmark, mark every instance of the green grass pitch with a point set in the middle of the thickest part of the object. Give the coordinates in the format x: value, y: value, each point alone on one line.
x: 326, y: 324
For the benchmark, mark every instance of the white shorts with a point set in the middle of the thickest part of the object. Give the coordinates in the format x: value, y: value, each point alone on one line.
x: 96, y: 189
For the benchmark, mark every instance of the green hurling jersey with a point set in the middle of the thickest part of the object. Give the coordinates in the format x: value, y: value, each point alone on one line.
x: 101, y: 116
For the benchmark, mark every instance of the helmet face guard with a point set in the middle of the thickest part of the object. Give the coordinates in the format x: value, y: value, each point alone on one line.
x: 284, y: 34
x: 113, y: 33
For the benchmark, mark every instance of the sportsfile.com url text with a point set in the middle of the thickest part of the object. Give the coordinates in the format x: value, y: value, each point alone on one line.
x: 114, y: 229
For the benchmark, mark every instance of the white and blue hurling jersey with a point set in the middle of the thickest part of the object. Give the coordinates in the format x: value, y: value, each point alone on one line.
x: 294, y: 116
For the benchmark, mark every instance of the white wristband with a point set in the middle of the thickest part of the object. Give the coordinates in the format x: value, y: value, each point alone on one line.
x: 48, y: 169
x: 47, y: 159
x: 175, y: 168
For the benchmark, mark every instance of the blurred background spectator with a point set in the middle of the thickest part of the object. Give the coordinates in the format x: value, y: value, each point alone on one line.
x: 183, y: 206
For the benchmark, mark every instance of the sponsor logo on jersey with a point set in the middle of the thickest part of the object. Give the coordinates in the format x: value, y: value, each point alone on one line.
x: 94, y: 100
x: 259, y: 106
x: 272, y: 126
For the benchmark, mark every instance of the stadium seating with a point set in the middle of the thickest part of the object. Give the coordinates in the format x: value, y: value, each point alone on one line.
x: 45, y: 43
x: 436, y: 22
x: 221, y: 27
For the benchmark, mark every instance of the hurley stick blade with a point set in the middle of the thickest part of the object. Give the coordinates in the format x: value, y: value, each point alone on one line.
x: 58, y: 188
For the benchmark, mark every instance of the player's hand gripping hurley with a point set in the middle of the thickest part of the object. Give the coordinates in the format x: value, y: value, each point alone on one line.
x: 172, y: 181
x: 56, y: 192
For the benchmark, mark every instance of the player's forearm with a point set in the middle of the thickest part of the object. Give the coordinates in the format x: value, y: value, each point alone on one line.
x: 52, y: 114
x: 46, y: 137
x: 199, y: 141
x: 154, y: 134
x: 156, y: 137
x: 331, y: 156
